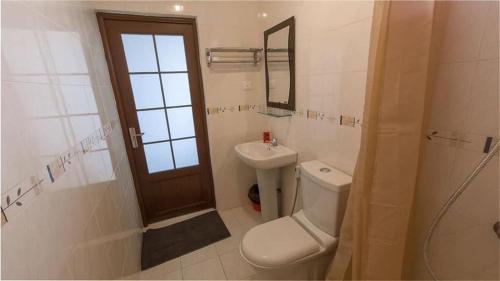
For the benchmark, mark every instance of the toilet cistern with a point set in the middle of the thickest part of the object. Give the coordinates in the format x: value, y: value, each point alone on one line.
x: 267, y: 159
x: 301, y: 246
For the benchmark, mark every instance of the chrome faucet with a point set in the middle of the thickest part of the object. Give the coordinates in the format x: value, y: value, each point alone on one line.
x: 274, y: 142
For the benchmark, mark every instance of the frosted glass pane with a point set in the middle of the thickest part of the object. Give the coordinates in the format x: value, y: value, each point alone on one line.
x: 139, y: 52
x: 181, y: 122
x: 176, y: 89
x: 185, y: 153
x: 147, y: 90
x: 158, y: 157
x: 171, y: 52
x: 153, y: 124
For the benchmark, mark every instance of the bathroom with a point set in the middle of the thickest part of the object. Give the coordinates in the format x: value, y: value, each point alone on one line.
x: 399, y: 100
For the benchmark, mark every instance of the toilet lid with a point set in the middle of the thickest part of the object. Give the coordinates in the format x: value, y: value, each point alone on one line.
x: 278, y: 242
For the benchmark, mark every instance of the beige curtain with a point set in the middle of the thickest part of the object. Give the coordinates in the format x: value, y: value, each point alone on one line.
x: 373, y: 234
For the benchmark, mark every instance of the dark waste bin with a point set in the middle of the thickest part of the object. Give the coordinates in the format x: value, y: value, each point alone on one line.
x: 253, y: 195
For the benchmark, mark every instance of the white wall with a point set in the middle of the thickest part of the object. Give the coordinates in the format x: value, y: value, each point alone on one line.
x: 221, y: 24
x: 43, y: 38
x: 465, y: 105
x: 55, y: 92
x: 332, y: 41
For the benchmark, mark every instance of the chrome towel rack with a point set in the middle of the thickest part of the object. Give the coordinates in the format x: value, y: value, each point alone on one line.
x: 278, y: 50
x: 233, y: 55
x: 277, y: 54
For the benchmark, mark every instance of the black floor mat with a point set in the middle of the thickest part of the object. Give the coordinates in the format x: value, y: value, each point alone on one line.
x: 163, y: 244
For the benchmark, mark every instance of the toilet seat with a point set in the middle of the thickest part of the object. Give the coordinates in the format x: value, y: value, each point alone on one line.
x: 278, y: 243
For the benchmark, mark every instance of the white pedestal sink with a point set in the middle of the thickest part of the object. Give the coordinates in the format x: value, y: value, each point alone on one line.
x: 267, y: 160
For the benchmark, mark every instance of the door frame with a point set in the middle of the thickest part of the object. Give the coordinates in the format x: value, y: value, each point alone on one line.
x: 101, y: 18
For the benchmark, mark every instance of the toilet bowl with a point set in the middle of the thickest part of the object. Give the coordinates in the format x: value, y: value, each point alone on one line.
x: 301, y: 246
x: 288, y: 248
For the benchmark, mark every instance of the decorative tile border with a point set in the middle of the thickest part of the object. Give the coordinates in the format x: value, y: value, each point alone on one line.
x: 25, y: 192
x: 234, y: 108
x: 343, y: 120
x: 315, y: 115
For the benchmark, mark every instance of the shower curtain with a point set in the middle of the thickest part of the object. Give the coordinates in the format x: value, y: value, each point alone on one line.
x: 373, y: 234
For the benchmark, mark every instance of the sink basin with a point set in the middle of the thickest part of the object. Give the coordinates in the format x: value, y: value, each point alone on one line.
x: 261, y: 155
x: 267, y: 160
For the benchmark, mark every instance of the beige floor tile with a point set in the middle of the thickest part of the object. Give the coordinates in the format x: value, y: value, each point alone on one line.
x: 207, y: 270
x: 215, y: 261
x: 200, y: 255
x: 246, y: 227
x: 247, y: 219
x: 230, y: 243
x: 170, y: 270
x: 227, y: 245
x: 246, y: 215
x: 252, y: 277
x: 171, y: 265
x: 153, y: 273
x: 161, y: 270
x: 156, y: 274
x: 235, y: 267
x: 176, y: 275
x: 135, y: 276
x: 229, y: 219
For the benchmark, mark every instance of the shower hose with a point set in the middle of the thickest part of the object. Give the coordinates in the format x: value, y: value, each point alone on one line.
x: 437, y: 218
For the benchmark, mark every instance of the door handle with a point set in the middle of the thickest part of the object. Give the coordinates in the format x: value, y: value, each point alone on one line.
x: 133, y: 137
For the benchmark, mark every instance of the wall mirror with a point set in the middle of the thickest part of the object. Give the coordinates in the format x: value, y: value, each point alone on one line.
x: 279, y: 49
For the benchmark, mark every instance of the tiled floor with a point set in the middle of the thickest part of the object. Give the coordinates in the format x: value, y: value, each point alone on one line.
x: 218, y: 261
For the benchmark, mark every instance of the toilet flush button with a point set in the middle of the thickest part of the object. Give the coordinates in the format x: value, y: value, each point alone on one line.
x: 325, y: 170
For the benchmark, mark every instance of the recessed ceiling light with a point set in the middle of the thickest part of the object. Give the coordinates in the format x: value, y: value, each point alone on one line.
x: 178, y: 8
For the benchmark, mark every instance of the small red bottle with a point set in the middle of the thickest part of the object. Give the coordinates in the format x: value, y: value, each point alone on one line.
x: 266, y: 137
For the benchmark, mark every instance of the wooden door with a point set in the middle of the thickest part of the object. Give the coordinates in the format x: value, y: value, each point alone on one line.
x: 155, y: 70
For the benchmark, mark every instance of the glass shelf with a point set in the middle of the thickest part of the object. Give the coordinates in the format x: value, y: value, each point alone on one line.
x: 275, y: 112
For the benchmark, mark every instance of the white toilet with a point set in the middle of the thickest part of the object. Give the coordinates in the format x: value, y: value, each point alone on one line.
x: 301, y: 246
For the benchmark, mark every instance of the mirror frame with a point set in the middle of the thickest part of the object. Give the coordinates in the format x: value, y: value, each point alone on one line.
x: 290, y: 23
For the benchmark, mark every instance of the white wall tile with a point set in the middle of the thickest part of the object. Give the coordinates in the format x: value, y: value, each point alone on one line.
x: 73, y: 228
x: 332, y: 41
x: 451, y: 95
x: 489, y: 41
x: 463, y: 24
x: 464, y: 102
x: 58, y: 38
x: 482, y: 108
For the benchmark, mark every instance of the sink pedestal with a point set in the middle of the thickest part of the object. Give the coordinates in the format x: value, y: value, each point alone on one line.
x: 268, y: 181
x: 267, y: 160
